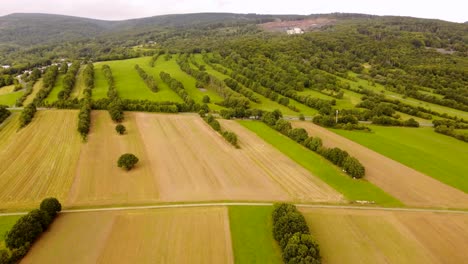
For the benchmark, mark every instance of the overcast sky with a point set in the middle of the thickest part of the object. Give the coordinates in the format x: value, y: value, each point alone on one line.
x: 451, y: 10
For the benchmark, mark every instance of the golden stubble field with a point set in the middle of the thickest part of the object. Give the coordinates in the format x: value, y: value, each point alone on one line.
x: 38, y: 161
x: 182, y: 235
x: 376, y: 236
x: 404, y: 183
x: 192, y: 162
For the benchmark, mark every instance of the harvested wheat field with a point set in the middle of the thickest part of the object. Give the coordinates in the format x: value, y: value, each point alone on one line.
x: 193, y: 162
x: 98, y: 179
x: 39, y: 160
x: 193, y: 235
x: 361, y: 236
x: 404, y: 183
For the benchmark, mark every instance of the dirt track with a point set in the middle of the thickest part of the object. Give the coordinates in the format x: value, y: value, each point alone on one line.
x: 406, y: 184
x: 199, y: 235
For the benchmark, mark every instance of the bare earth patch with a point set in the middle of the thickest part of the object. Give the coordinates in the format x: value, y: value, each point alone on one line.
x: 192, y: 162
x: 360, y: 236
x: 186, y: 235
x: 404, y: 183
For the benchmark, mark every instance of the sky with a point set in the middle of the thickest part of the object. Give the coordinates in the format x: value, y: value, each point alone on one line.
x: 450, y: 10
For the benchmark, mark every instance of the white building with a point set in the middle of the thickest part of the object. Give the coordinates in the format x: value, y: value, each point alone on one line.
x: 294, y: 31
x: 6, y: 66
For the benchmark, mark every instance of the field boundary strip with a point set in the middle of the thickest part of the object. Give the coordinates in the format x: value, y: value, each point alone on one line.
x: 189, y: 205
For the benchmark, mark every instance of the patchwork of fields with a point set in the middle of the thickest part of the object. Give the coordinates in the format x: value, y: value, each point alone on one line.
x: 408, y: 185
x: 183, y: 160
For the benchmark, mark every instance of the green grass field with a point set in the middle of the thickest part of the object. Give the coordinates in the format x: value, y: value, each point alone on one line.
x: 100, y: 84
x: 441, y: 157
x: 188, y: 81
x: 252, y: 235
x: 58, y: 86
x: 325, y: 170
x: 79, y: 87
x: 6, y: 222
x: 129, y: 85
x: 9, y: 98
x: 266, y: 104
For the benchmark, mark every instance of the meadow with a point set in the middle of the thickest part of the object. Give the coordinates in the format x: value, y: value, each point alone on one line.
x: 436, y: 155
x: 8, y: 97
x: 251, y: 232
x: 58, y: 86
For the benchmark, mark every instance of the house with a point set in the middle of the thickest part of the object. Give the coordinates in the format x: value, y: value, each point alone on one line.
x: 6, y: 66
x: 294, y: 31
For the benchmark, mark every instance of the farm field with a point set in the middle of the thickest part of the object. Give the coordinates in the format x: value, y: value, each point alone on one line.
x: 6, y: 222
x: 361, y: 236
x: 352, y: 189
x: 36, y: 88
x: 77, y: 91
x: 251, y: 232
x: 58, y: 86
x: 34, y: 163
x: 8, y: 97
x: 100, y: 181
x: 436, y: 155
x: 191, y: 158
x: 185, y: 235
x: 8, y: 129
x: 129, y: 85
x: 404, y: 183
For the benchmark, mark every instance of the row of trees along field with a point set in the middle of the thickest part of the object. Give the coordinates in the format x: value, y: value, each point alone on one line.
x: 449, y: 128
x: 115, y: 106
x: 291, y: 232
x: 4, y: 113
x: 148, y: 79
x: 48, y: 82
x: 84, y: 116
x: 30, y: 80
x: 229, y: 136
x: 69, y: 79
x: 231, y: 98
x: 27, y: 229
x: 337, y: 156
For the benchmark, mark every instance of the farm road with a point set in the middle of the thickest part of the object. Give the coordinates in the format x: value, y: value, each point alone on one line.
x: 188, y: 205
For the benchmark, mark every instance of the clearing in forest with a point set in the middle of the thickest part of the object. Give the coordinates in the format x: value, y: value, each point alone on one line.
x: 192, y: 162
x: 363, y: 236
x: 185, y: 235
x: 40, y: 160
x: 406, y: 184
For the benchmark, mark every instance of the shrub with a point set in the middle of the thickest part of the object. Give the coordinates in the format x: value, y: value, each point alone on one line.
x: 206, y: 99
x: 127, y: 161
x: 298, y: 134
x: 51, y: 205
x: 120, y: 129
x: 353, y: 167
x: 301, y: 117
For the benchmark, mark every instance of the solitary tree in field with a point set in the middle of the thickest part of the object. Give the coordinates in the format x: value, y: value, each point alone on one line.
x: 127, y: 161
x: 120, y: 129
x: 206, y: 99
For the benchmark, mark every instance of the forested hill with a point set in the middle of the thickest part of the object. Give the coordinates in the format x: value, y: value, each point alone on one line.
x: 29, y: 29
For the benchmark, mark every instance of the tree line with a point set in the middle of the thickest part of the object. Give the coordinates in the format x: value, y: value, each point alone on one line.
x: 31, y: 80
x: 449, y: 128
x: 84, y: 115
x: 337, y: 156
x: 231, y: 99
x: 148, y: 79
x: 4, y: 113
x: 177, y: 87
x: 69, y: 80
x: 27, y: 229
x: 291, y: 232
x: 48, y: 82
x: 229, y: 136
x: 115, y: 107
